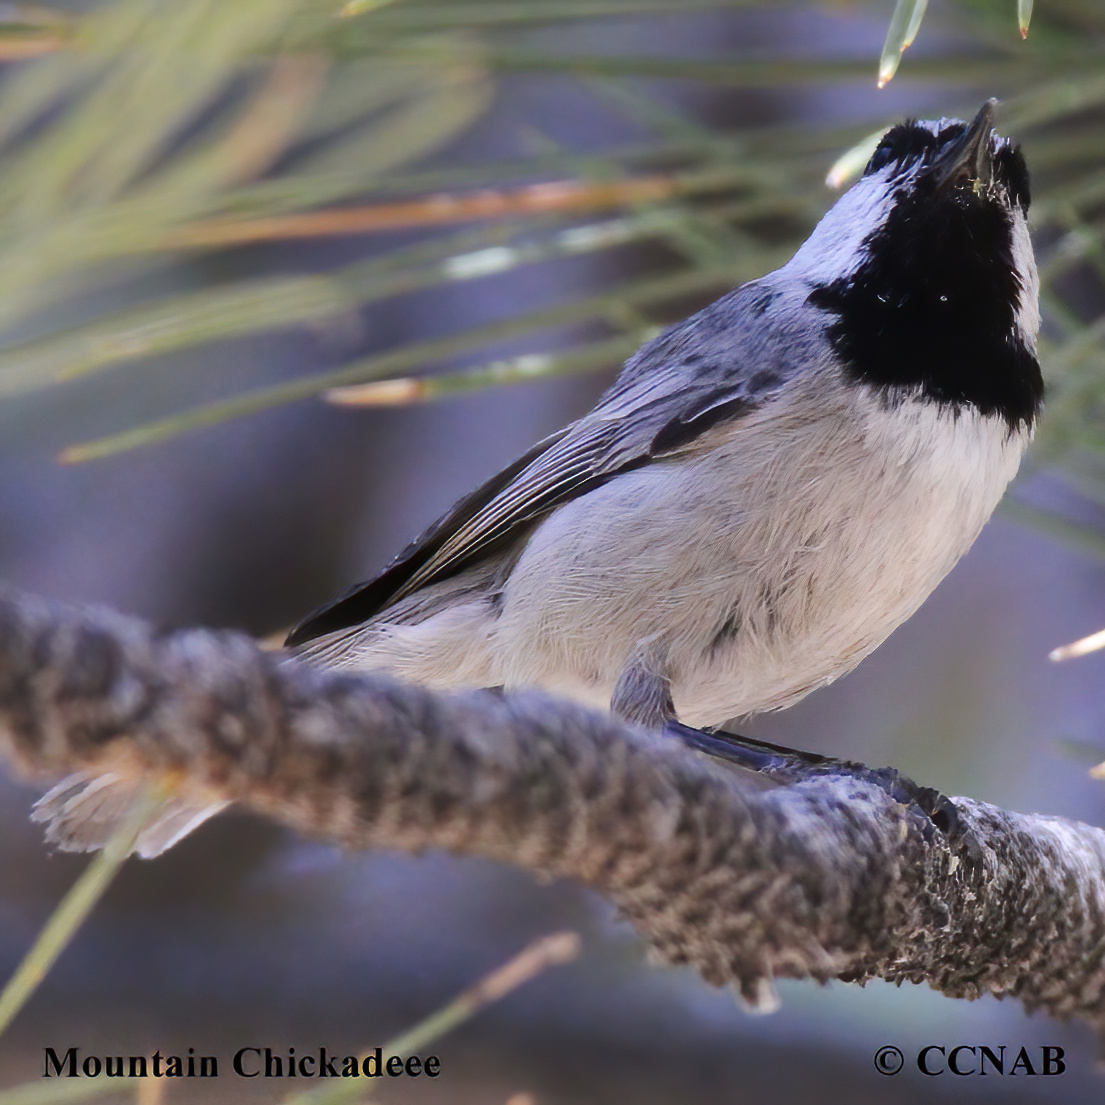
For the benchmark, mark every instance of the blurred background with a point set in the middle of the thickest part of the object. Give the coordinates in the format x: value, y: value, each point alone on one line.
x: 466, y: 213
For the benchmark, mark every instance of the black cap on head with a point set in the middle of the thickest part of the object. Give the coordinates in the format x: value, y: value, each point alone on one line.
x: 933, y: 308
x: 950, y: 152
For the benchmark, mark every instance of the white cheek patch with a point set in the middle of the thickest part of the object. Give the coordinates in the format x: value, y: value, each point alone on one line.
x: 837, y: 246
x: 1024, y: 263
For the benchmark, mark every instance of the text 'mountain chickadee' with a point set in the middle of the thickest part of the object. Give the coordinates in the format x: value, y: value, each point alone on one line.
x: 767, y: 491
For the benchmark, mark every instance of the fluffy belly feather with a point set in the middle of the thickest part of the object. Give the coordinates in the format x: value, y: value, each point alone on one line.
x: 768, y: 565
x: 763, y: 565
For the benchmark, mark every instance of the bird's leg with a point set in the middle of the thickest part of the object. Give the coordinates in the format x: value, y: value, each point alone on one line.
x: 773, y: 760
x: 643, y: 691
x: 788, y: 765
x: 643, y: 695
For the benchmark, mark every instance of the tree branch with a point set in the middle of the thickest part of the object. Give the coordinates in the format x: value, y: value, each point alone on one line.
x: 828, y: 877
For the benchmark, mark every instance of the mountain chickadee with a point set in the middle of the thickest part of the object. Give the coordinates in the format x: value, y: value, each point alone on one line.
x: 767, y: 491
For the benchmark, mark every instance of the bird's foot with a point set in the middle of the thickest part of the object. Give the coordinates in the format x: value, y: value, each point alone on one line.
x: 789, y: 765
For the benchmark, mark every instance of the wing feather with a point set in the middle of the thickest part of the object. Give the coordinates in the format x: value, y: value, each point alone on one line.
x: 673, y: 390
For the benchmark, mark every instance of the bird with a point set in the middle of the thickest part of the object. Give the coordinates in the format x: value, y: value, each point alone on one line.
x: 768, y: 489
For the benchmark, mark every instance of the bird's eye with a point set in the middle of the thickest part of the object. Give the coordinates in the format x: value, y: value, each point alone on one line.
x: 881, y: 157
x: 1009, y: 168
x: 903, y: 145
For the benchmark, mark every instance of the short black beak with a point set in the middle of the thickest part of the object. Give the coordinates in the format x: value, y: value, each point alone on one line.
x: 968, y: 157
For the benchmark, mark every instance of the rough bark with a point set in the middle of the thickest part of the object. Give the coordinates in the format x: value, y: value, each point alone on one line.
x: 827, y: 877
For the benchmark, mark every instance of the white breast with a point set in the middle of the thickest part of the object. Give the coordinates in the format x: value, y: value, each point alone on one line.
x: 767, y: 564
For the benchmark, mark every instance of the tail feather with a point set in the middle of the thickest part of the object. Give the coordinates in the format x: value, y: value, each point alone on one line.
x: 83, y: 810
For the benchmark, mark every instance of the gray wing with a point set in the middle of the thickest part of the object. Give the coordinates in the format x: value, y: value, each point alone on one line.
x: 716, y: 366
